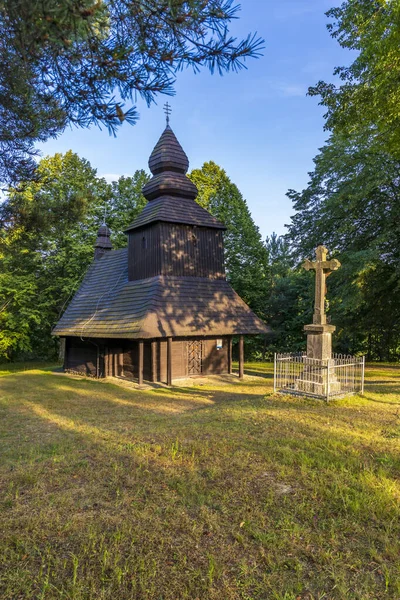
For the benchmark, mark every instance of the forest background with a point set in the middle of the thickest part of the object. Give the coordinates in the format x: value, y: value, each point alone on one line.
x: 49, y: 222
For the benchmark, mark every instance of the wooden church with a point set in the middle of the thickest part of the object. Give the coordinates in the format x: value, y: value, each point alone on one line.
x: 160, y: 309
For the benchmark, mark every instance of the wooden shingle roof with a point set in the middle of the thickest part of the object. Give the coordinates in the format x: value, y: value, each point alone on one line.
x: 175, y: 210
x: 168, y: 154
x: 170, y: 192
x: 107, y: 305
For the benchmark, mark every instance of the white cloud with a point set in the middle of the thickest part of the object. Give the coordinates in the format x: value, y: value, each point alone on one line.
x: 109, y: 177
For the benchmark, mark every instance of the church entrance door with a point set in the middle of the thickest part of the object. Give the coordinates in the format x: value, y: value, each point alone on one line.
x: 195, y: 357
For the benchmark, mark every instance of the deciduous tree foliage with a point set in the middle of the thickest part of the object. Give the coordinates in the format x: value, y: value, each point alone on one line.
x: 246, y: 256
x: 352, y: 205
x: 367, y: 99
x: 79, y: 62
x: 47, y: 236
x: 289, y: 303
x: 352, y: 202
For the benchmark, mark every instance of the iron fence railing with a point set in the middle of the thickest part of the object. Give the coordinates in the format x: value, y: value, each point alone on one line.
x: 339, y: 376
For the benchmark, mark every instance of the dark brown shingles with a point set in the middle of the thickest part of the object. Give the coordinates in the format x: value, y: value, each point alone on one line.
x: 168, y: 154
x: 175, y: 210
x: 169, y: 182
x: 108, y: 305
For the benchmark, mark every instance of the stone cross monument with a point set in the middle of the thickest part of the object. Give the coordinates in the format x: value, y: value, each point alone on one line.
x: 319, y: 334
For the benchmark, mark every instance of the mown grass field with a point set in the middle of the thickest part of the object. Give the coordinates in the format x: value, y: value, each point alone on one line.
x: 224, y: 492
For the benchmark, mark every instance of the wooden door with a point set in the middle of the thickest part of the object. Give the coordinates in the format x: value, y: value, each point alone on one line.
x: 195, y: 357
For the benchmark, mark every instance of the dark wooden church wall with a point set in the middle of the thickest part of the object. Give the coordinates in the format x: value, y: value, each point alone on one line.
x: 121, y: 357
x: 81, y: 356
x: 179, y: 361
x: 144, y: 253
x: 215, y: 361
x: 188, y: 251
x: 130, y: 359
x: 179, y: 250
x: 147, y: 374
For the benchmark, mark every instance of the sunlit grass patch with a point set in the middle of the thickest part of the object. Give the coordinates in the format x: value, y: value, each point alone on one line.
x: 215, y: 491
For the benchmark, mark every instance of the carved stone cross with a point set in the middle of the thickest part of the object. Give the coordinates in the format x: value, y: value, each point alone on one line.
x: 323, y: 268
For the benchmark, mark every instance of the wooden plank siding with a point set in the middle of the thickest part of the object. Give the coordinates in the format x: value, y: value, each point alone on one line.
x: 81, y: 356
x: 192, y: 251
x: 178, y: 250
x: 215, y: 361
x: 144, y: 253
x: 121, y: 357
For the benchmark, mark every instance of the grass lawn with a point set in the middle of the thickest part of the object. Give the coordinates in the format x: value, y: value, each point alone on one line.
x: 224, y: 492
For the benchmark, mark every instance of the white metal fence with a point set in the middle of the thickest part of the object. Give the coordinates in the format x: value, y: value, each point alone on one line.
x: 339, y: 376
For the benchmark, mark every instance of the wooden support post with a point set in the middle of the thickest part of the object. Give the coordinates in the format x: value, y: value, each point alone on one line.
x: 106, y: 362
x: 169, y: 361
x: 65, y: 363
x: 241, y: 357
x: 154, y: 361
x: 230, y: 356
x: 115, y: 362
x: 140, y: 365
x: 121, y: 362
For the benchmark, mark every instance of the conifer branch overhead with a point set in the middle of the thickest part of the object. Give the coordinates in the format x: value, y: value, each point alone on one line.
x: 85, y: 62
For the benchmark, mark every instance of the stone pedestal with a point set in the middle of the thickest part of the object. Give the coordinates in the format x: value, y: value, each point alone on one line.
x: 319, y: 341
x: 318, y: 377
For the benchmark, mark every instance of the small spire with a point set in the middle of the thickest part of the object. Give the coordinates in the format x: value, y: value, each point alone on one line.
x: 103, y: 243
x: 168, y: 111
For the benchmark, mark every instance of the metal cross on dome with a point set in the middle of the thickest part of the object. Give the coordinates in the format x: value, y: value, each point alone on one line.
x: 323, y: 268
x: 168, y: 111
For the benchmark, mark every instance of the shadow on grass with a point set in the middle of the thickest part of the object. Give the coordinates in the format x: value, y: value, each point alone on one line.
x: 296, y: 434
x: 263, y: 374
x: 172, y: 462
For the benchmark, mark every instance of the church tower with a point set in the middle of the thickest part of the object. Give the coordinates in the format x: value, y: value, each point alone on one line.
x: 173, y: 236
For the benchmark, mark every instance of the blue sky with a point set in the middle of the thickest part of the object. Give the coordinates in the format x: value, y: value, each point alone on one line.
x: 258, y: 125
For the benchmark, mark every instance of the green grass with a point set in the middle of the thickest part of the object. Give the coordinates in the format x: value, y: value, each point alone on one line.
x: 224, y: 492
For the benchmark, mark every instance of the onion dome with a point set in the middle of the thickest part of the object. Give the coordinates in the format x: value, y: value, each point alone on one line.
x: 103, y: 243
x: 169, y: 164
x: 168, y: 154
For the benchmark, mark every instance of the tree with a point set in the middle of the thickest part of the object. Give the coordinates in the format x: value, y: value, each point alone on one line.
x: 47, y: 236
x: 289, y: 304
x: 352, y: 205
x: 78, y: 62
x: 246, y: 257
x: 368, y: 97
x: 125, y: 203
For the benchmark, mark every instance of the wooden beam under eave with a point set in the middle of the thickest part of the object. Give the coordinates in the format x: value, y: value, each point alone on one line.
x: 140, y: 365
x: 115, y: 362
x: 230, y: 355
x: 121, y: 362
x: 154, y: 361
x: 169, y: 361
x: 241, y: 357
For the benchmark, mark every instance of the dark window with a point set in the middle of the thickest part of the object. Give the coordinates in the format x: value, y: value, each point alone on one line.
x: 144, y: 243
